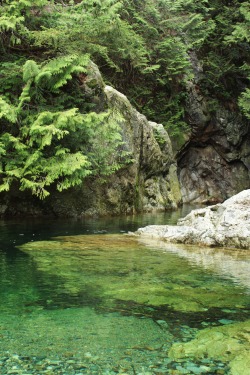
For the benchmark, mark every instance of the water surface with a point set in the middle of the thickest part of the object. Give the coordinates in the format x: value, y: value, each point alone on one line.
x: 82, y: 297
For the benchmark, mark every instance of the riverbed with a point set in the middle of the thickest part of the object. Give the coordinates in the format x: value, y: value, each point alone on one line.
x: 84, y: 297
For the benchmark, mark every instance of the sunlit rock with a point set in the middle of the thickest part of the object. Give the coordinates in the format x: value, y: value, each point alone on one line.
x: 226, y: 224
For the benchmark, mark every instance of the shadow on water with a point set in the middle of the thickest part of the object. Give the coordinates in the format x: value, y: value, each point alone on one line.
x: 84, y: 294
x: 15, y: 232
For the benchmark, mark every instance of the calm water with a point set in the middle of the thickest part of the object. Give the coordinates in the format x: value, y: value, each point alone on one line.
x: 82, y: 297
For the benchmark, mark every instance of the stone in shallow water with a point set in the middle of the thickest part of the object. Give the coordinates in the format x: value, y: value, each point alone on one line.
x: 230, y: 343
x: 226, y: 321
x: 182, y: 370
x: 195, y: 369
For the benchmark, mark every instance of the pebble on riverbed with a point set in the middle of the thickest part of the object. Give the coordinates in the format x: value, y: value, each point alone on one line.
x: 25, y: 365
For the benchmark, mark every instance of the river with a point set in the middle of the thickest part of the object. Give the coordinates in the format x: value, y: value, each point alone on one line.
x: 80, y: 296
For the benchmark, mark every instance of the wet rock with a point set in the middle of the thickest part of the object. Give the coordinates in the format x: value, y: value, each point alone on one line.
x: 230, y: 344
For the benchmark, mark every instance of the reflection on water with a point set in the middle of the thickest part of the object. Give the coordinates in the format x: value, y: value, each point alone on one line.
x: 233, y: 264
x: 83, y: 298
x: 99, y: 269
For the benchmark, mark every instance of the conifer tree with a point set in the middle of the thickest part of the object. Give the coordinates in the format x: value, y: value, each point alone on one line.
x: 48, y: 132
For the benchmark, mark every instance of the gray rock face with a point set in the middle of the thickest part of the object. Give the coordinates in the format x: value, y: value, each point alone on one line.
x: 215, y: 162
x: 207, y: 177
x: 226, y: 224
x: 148, y: 183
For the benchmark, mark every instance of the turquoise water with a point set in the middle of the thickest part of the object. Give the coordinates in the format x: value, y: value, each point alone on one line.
x: 83, y: 297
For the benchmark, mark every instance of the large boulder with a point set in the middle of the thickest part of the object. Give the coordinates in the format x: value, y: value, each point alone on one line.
x: 148, y: 183
x: 226, y: 224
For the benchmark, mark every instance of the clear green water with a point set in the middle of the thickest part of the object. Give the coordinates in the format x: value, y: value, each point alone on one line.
x: 82, y: 297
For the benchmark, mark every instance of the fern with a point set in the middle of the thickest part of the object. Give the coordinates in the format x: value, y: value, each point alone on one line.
x: 39, y: 172
x: 5, y: 185
x: 2, y: 150
x: 30, y: 70
x: 13, y: 142
x: 10, y: 23
x: 105, y: 160
x: 241, y: 32
x: 25, y: 96
x: 49, y: 125
x: 7, y: 111
x: 47, y: 149
x: 57, y: 72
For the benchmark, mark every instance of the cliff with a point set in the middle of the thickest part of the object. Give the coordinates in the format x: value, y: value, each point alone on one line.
x: 214, y: 163
x: 147, y: 183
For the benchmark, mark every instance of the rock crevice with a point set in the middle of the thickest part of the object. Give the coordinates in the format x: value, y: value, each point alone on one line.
x: 214, y: 164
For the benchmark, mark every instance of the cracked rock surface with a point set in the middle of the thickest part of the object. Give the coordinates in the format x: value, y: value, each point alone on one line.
x: 226, y: 224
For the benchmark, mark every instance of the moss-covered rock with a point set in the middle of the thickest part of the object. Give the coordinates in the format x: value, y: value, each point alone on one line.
x: 230, y: 343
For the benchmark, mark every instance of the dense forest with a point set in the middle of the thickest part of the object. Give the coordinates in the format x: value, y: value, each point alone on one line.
x: 150, y: 50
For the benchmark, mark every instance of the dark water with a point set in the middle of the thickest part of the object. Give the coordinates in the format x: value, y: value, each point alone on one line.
x: 82, y: 297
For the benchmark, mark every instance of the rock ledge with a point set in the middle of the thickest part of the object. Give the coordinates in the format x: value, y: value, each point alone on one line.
x: 226, y: 224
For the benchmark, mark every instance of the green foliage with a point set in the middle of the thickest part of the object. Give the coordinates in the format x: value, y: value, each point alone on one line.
x: 244, y: 102
x: 93, y: 27
x: 171, y: 29
x: 156, y: 88
x: 16, y: 19
x: 223, y: 79
x: 30, y: 70
x: 241, y: 32
x: 49, y: 135
x: 241, y: 37
x: 7, y: 111
x: 40, y: 146
x: 107, y: 135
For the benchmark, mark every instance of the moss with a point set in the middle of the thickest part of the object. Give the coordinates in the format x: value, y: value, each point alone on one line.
x: 230, y: 343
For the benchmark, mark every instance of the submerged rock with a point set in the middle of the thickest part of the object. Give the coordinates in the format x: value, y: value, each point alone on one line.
x: 226, y: 224
x: 229, y: 343
x: 117, y: 273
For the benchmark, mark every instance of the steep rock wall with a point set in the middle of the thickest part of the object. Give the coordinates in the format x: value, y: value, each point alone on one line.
x: 215, y: 162
x: 148, y: 183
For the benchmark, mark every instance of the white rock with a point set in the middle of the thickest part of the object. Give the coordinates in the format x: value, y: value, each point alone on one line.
x: 226, y: 224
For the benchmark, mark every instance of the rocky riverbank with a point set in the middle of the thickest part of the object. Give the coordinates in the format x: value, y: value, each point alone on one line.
x: 226, y: 224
